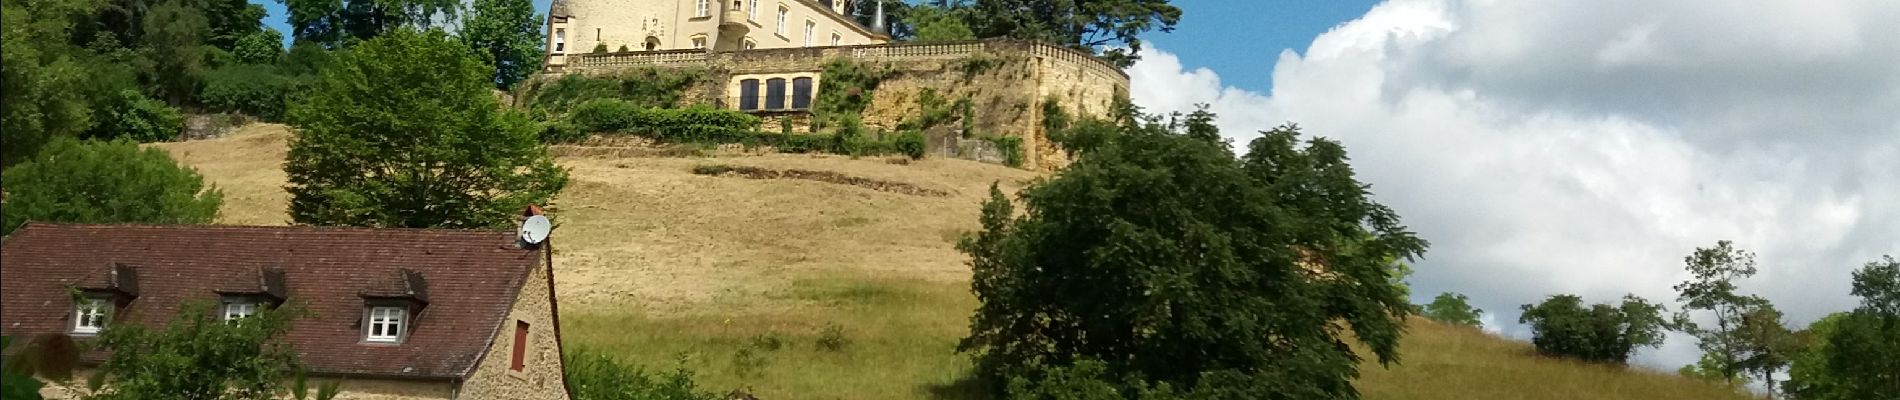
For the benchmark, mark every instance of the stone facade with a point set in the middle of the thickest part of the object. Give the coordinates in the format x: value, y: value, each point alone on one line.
x: 580, y: 26
x: 1004, y: 81
x: 541, y: 374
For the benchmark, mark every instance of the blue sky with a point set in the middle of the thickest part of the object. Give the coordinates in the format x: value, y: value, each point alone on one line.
x: 1240, y: 39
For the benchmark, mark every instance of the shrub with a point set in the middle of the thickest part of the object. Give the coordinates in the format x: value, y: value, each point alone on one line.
x: 250, y: 89
x: 131, y: 115
x: 644, y: 87
x: 561, y: 132
x: 600, y: 48
x: 105, y: 182
x: 228, y: 361
x: 674, y: 125
x: 604, y: 115
x: 1562, y: 327
x: 832, y: 339
x: 849, y: 139
x: 1011, y: 147
x: 261, y: 47
x: 911, y: 143
x: 593, y: 376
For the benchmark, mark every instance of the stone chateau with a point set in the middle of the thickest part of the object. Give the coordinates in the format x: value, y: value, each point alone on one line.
x: 767, y: 57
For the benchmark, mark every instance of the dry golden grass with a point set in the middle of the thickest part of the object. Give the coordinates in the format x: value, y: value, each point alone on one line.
x: 655, y: 263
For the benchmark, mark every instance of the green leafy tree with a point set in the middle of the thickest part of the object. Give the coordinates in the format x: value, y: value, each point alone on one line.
x: 1767, y: 342
x: 340, y: 23
x: 1708, y: 369
x: 1561, y: 326
x: 133, y: 116
x: 255, y: 90
x: 402, y: 131
x: 1173, y: 263
x: 175, y: 33
x: 507, y: 34
x: 1863, y: 357
x: 1712, y: 290
x: 936, y: 24
x: 231, y: 21
x: 1082, y: 24
x: 1808, y: 375
x: 1453, y: 308
x: 198, y: 356
x: 265, y: 46
x: 105, y: 182
x: 40, y: 79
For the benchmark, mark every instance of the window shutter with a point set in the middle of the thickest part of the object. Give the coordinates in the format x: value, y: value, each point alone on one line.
x: 521, y: 346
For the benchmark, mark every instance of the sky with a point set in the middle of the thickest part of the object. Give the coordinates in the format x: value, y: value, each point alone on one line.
x: 1580, y: 147
x: 1549, y: 147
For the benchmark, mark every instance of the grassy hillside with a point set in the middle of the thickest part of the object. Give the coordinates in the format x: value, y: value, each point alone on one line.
x: 741, y: 279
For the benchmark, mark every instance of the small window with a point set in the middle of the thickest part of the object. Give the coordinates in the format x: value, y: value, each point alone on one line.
x: 752, y: 11
x: 801, y: 93
x: 749, y: 44
x: 560, y: 40
x: 699, y: 42
x: 836, y: 39
x: 385, y: 324
x: 521, y: 346
x: 781, y: 19
x: 89, y: 314
x: 749, y: 95
x: 809, y: 27
x: 702, y: 8
x: 775, y: 94
x: 238, y: 309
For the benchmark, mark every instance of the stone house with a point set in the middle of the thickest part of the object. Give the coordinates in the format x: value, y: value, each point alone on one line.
x: 394, y: 313
x: 583, y: 26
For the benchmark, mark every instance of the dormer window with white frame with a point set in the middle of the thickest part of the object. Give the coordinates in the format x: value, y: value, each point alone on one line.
x: 236, y: 309
x: 702, y: 8
x: 385, y: 324
x: 90, y: 314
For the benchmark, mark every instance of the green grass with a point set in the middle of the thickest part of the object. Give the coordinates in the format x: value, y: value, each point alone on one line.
x: 902, y: 337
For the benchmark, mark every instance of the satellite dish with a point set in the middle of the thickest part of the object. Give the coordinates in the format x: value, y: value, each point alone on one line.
x: 535, y: 229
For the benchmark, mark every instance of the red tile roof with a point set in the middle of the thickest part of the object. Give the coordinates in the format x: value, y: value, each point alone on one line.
x: 472, y: 278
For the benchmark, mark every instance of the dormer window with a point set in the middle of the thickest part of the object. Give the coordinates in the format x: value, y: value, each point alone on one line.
x: 385, y: 324
x: 90, y: 314
x: 236, y: 309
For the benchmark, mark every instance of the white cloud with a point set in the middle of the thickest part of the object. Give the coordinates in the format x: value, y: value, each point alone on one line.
x: 1586, y: 147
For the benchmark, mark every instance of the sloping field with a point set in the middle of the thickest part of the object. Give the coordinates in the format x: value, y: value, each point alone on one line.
x: 809, y: 289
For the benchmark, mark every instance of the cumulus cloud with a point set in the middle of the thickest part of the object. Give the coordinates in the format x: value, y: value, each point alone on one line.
x: 1586, y: 147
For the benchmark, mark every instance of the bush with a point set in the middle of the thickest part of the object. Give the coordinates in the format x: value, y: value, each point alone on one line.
x: 1011, y: 147
x: 643, y: 87
x: 561, y: 132
x: 673, y: 125
x: 911, y: 143
x: 264, y: 46
x: 849, y: 139
x: 604, y: 115
x: 250, y: 89
x: 832, y: 339
x: 593, y: 376
x: 131, y: 115
x: 1562, y: 327
x: 105, y: 182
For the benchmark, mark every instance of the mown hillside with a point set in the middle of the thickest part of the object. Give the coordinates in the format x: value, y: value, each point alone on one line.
x: 838, y: 278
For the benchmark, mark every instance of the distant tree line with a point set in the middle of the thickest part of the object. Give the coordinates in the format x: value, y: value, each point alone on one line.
x: 1109, y: 28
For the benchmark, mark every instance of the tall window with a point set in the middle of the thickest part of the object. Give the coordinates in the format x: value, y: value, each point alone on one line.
x: 801, y: 93
x: 775, y: 94
x: 237, y: 309
x: 521, y: 346
x: 781, y: 19
x: 809, y: 27
x: 89, y: 315
x: 835, y: 39
x: 560, y: 40
x: 702, y: 8
x: 749, y: 95
x: 385, y: 324
x: 752, y: 10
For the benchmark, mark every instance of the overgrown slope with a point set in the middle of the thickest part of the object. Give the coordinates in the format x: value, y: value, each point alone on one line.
x: 743, y: 279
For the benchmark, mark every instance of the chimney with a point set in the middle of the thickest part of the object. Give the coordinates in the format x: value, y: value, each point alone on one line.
x: 877, y: 20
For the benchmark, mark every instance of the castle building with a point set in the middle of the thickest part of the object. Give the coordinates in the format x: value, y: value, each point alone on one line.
x: 589, y: 26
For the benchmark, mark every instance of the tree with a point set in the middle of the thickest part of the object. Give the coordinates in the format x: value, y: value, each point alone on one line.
x: 175, y: 33
x: 1561, y: 326
x: 1081, y: 24
x: 40, y: 81
x: 1169, y: 261
x: 1712, y: 290
x: 105, y: 182
x: 937, y: 24
x: 1706, y: 368
x: 265, y: 46
x: 1808, y: 375
x: 198, y: 356
x: 1863, y: 357
x: 230, y: 21
x: 507, y: 34
x: 402, y: 131
x: 1453, y: 308
x: 1767, y: 342
x: 339, y: 23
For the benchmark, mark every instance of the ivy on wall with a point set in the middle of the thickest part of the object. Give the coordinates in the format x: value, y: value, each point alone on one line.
x: 646, y: 87
x: 847, y: 90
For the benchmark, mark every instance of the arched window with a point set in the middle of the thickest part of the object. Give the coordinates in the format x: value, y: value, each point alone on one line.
x: 653, y: 43
x: 775, y: 94
x: 749, y: 95
x: 801, y: 93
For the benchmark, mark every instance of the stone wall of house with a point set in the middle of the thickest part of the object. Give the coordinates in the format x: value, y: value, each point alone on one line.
x: 1005, y: 81
x: 540, y: 377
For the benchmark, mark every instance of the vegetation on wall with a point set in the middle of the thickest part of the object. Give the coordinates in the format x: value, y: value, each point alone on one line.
x: 403, y: 131
x: 642, y: 87
x: 105, y: 182
x: 847, y: 91
x: 698, y: 124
